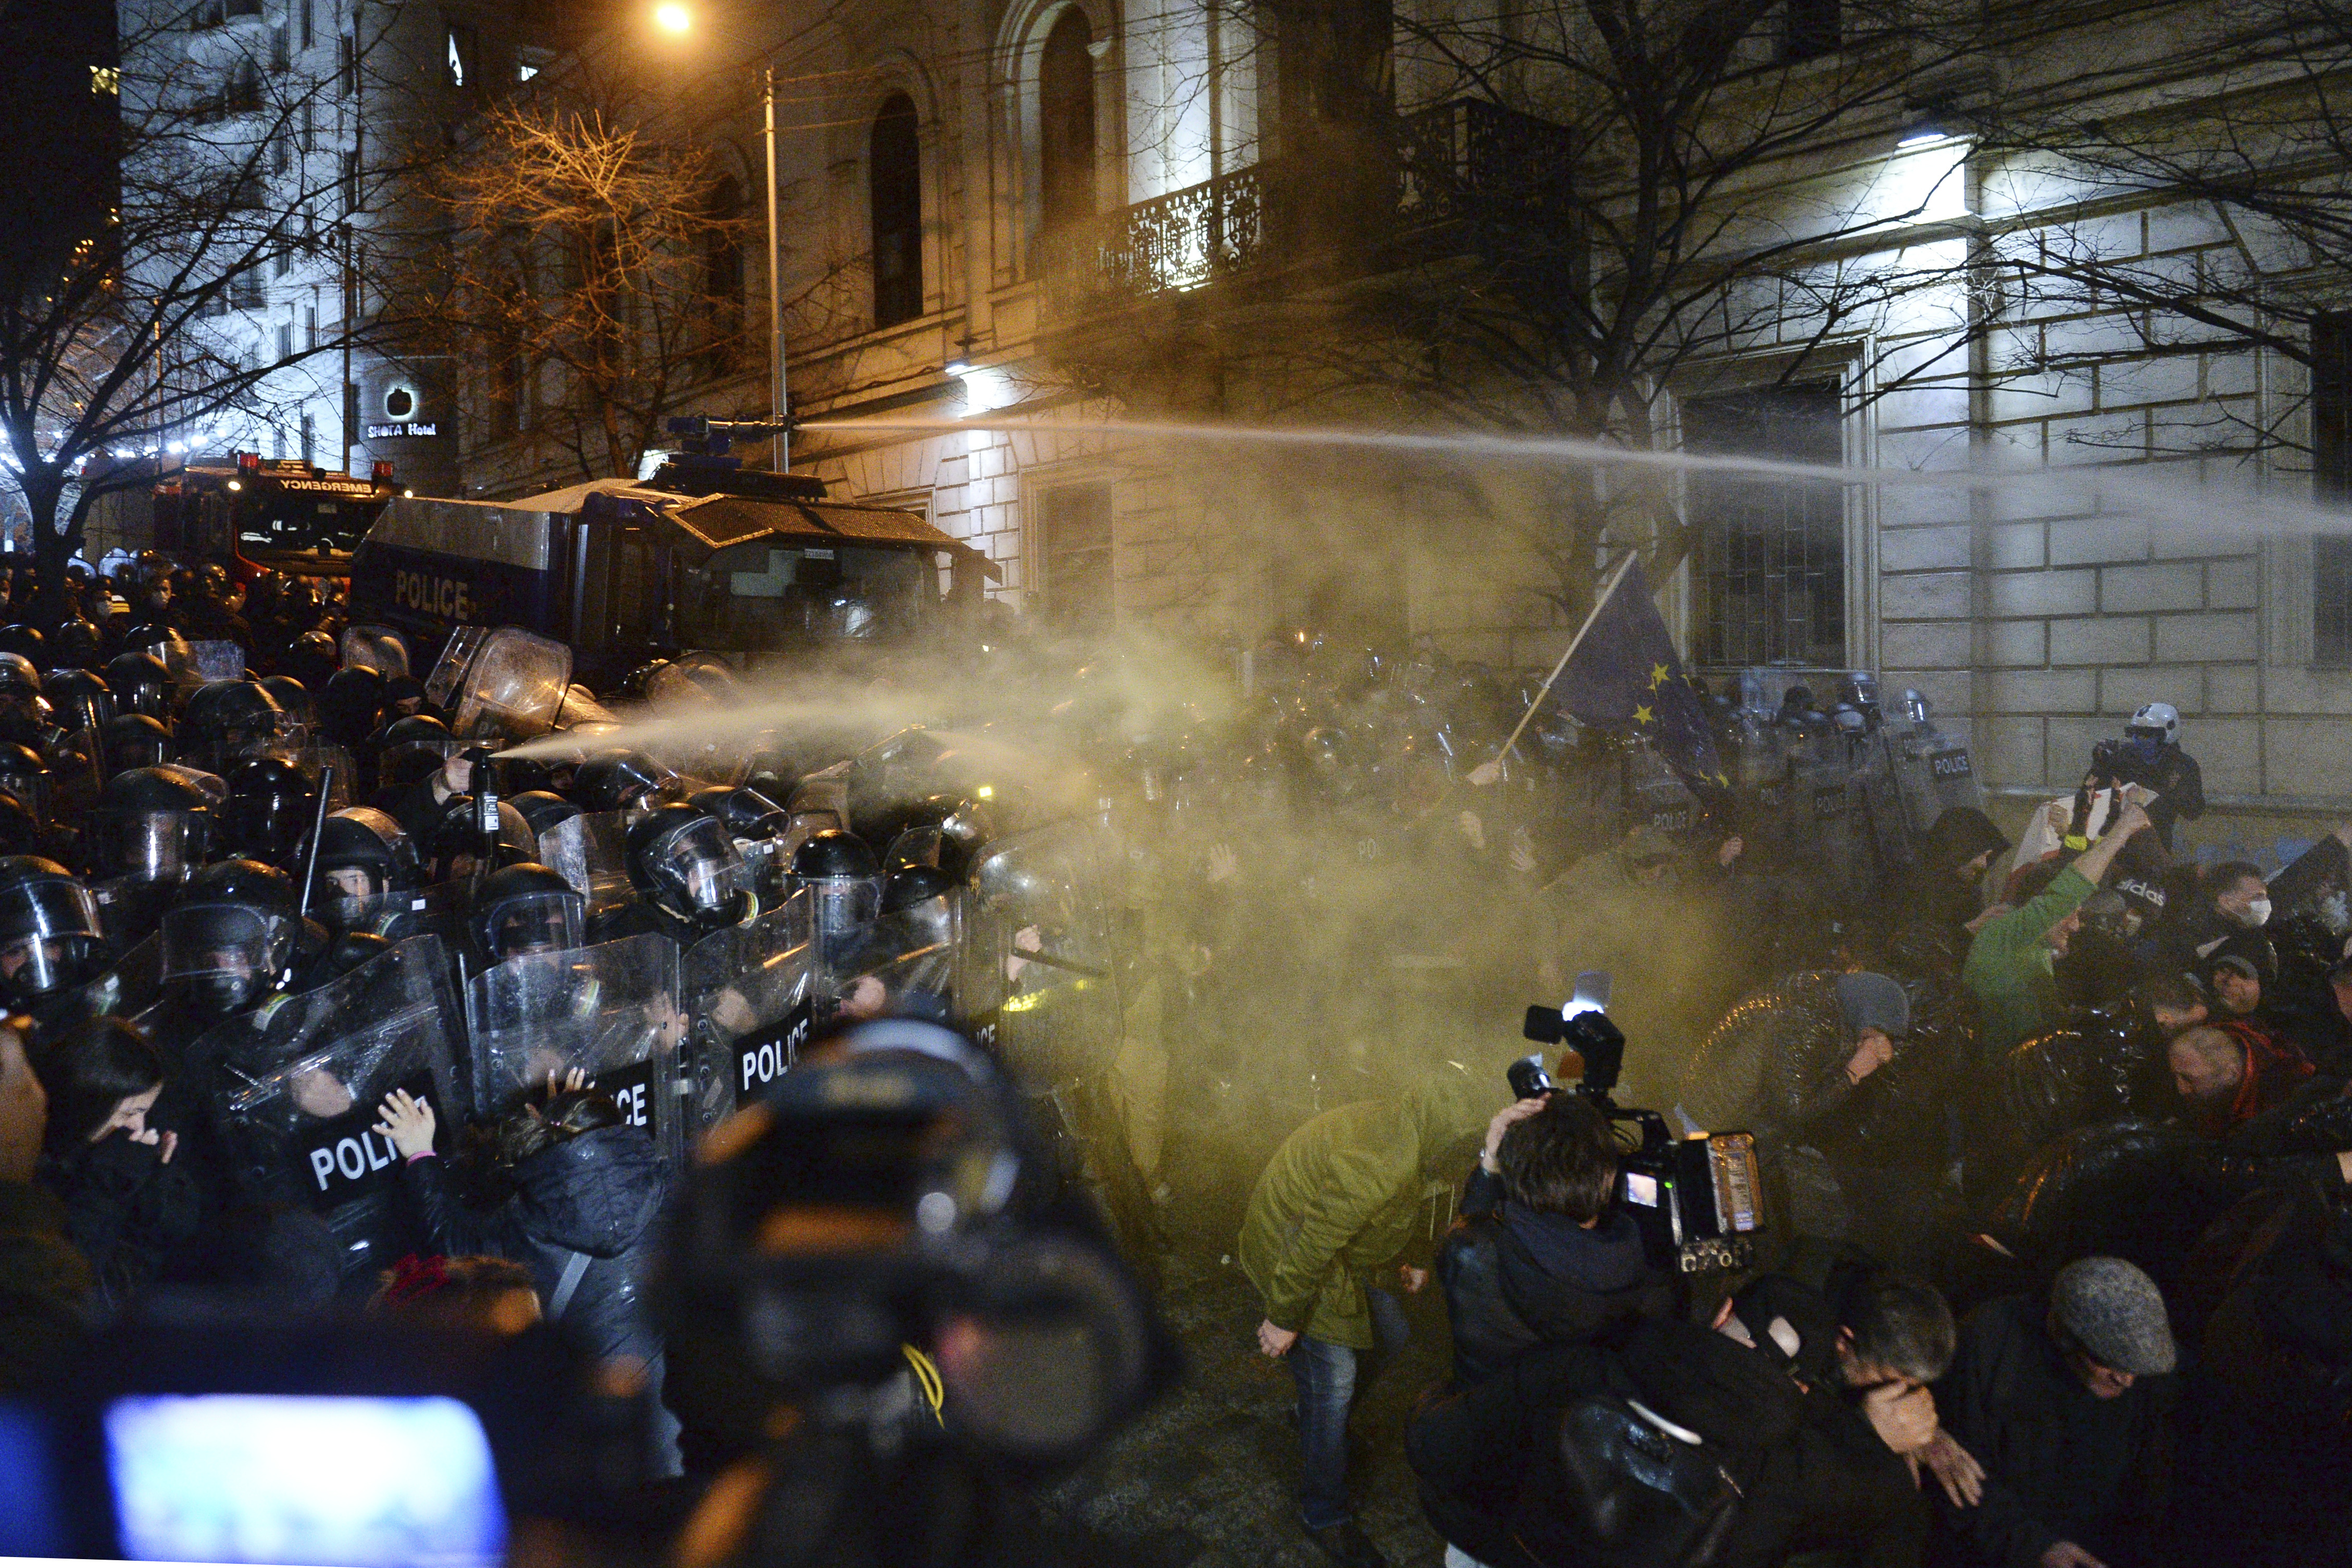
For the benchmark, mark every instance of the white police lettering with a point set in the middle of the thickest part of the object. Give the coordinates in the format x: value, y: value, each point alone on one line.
x: 351, y: 1158
x: 450, y: 597
x: 632, y: 1101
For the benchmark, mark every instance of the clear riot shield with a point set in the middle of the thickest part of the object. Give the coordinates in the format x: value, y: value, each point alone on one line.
x: 301, y: 1082
x: 611, y: 1011
x: 194, y: 664
x: 590, y: 851
x: 499, y: 682
x: 1932, y: 772
x: 752, y: 992
x: 377, y: 648
x: 127, y: 990
x: 1037, y: 984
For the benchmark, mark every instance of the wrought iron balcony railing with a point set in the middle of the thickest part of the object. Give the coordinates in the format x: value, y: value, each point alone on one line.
x: 1443, y: 164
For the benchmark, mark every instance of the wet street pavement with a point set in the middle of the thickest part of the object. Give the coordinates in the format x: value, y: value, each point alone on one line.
x: 1207, y: 1478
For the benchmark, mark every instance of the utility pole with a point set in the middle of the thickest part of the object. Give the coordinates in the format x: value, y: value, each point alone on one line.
x: 783, y: 453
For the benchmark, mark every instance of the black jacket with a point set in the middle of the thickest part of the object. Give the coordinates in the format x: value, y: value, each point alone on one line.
x: 1490, y: 1469
x: 126, y: 1211
x: 1515, y: 1278
x: 2059, y: 1463
x: 45, y: 1287
x: 594, y: 1198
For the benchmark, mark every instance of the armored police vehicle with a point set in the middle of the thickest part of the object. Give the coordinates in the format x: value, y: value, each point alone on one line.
x: 704, y: 557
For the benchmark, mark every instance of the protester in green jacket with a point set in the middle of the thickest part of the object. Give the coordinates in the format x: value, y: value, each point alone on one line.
x: 2009, y: 968
x: 1347, y: 1201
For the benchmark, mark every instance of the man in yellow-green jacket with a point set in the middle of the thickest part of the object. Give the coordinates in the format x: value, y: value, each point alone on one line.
x: 2009, y: 968
x: 1346, y: 1207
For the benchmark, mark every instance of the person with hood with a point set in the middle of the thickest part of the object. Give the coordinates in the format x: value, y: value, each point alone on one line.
x: 2009, y: 966
x: 1543, y: 1254
x: 1938, y: 897
x: 128, y: 1208
x: 1334, y: 1217
x: 587, y: 1189
x: 2054, y: 1397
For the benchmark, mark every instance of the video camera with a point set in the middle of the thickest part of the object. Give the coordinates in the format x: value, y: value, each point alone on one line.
x: 1697, y: 1200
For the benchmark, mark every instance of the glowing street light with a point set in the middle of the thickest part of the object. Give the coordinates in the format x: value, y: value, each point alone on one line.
x: 673, y: 17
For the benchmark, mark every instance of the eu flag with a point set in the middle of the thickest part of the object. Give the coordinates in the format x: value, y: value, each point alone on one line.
x: 1626, y: 674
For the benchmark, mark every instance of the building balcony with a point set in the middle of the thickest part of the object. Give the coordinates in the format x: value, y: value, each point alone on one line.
x: 1339, y: 212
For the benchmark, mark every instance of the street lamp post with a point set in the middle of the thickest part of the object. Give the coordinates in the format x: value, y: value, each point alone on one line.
x: 673, y: 16
x: 783, y: 454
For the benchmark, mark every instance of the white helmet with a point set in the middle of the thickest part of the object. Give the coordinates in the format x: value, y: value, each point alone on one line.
x: 2157, y: 721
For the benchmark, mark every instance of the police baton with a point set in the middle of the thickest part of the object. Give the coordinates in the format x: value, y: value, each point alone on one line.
x: 309, y: 871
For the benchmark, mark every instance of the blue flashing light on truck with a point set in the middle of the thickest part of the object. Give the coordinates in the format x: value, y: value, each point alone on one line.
x: 704, y: 557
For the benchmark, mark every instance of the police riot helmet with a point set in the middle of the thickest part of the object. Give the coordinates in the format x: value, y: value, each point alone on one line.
x: 2159, y: 722
x: 268, y: 814
x: 24, y: 775
x: 75, y: 647
x: 742, y: 810
x: 350, y: 703
x: 229, y: 937
x: 48, y: 927
x: 228, y: 721
x: 142, y: 683
x: 79, y: 698
x: 372, y: 842
x: 136, y: 740
x: 527, y: 908
x: 20, y: 681
x: 26, y: 642
x: 419, y: 729
x: 615, y: 781
x: 543, y: 810
x: 842, y: 878
x: 685, y: 862
x: 153, y: 825
x: 454, y: 848
x: 910, y: 886
x: 293, y: 697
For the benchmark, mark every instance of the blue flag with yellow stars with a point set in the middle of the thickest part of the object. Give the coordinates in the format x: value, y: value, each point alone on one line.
x: 1625, y: 675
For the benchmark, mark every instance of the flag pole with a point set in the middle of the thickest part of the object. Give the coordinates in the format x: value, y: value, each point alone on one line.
x: 1487, y: 772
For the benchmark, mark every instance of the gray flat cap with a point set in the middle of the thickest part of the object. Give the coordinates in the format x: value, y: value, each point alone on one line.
x: 2117, y: 1314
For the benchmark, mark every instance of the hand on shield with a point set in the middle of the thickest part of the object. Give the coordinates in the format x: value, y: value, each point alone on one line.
x: 563, y: 1083
x: 408, y: 1122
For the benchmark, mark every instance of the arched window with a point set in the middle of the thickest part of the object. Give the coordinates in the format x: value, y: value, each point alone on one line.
x: 1065, y: 122
x: 894, y: 172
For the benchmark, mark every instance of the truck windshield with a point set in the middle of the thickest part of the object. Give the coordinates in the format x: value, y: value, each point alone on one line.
x: 280, y: 523
x: 759, y: 596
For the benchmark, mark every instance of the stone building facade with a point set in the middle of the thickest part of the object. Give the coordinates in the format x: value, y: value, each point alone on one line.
x: 927, y: 308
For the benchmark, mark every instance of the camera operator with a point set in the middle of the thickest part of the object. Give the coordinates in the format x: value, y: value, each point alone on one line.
x: 2149, y: 755
x: 1338, y: 1208
x: 1542, y: 1254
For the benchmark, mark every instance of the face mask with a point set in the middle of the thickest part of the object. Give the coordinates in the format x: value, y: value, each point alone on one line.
x: 2143, y: 750
x: 2258, y: 911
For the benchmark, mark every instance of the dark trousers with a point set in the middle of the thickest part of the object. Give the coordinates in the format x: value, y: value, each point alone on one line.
x: 1328, y: 1376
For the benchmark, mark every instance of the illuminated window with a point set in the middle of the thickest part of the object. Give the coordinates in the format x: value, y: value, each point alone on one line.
x: 461, y: 54
x: 1771, y: 584
x: 105, y: 81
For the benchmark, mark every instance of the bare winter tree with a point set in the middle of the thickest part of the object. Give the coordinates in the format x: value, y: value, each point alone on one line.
x: 133, y: 313
x: 585, y: 257
x: 2248, y: 167
x: 1602, y: 195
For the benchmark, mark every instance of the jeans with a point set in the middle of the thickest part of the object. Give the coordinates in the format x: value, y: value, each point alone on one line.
x: 1326, y: 1376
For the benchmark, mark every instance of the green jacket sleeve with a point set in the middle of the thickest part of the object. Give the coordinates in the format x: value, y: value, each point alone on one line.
x: 1363, y: 1176
x: 2006, y: 936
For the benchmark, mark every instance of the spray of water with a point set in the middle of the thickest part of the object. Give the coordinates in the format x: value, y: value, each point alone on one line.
x: 2171, y: 496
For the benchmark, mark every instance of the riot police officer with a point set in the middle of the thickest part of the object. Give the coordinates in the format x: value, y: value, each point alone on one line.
x: 617, y: 780
x: 152, y: 829
x: 365, y: 860
x: 230, y: 722
x: 268, y: 814
x: 23, y: 716
x: 136, y: 740
x: 50, y: 939
x: 689, y: 879
x: 2150, y: 755
x: 844, y: 887
x: 522, y: 910
x: 142, y: 683
x: 228, y: 940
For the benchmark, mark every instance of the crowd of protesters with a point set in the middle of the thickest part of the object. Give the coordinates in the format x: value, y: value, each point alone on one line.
x: 2053, y: 1139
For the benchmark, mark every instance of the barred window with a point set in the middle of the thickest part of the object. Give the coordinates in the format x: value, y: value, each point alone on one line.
x: 1074, y: 557
x: 1771, y: 553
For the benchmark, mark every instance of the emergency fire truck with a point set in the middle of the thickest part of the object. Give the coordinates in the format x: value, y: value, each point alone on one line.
x: 258, y: 513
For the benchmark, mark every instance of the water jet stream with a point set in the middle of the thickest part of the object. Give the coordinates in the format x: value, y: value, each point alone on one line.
x: 2154, y: 492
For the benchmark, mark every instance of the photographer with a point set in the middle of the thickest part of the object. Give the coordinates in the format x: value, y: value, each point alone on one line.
x: 2149, y: 755
x: 1543, y: 1255
x: 1338, y: 1208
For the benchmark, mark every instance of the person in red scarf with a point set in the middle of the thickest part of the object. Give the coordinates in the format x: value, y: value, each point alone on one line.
x: 2232, y: 1072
